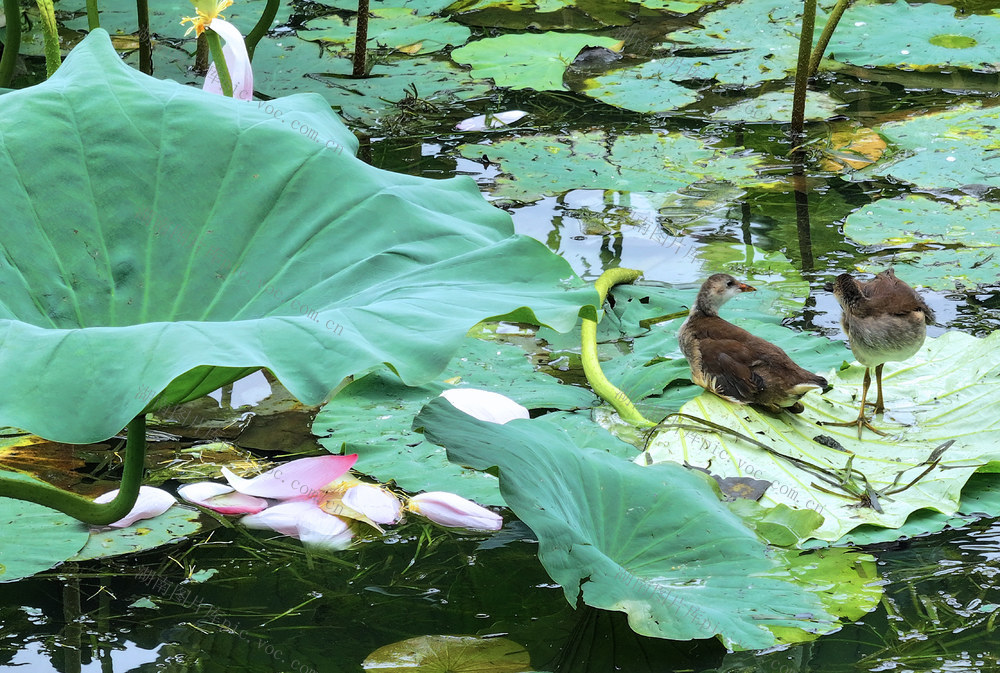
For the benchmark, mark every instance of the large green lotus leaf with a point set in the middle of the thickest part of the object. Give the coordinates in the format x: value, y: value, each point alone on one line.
x: 763, y: 36
x: 448, y: 654
x: 372, y: 417
x: 393, y: 27
x: 920, y: 36
x: 210, y: 239
x: 655, y: 543
x: 648, y: 87
x: 942, y: 150
x: 35, y: 538
x: 119, y: 16
x: 776, y: 106
x: 174, y: 525
x: 526, y: 61
x: 943, y: 393
x: 290, y: 65
x: 535, y: 166
x: 921, y: 227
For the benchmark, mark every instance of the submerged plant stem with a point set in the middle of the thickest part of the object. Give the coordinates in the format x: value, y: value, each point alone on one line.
x: 145, y: 47
x: 81, y: 508
x: 361, y: 41
x: 50, y: 30
x: 215, y: 46
x: 260, y: 29
x: 12, y: 44
x: 824, y: 38
x: 592, y: 366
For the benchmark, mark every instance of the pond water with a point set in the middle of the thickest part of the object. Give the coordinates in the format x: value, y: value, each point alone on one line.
x: 230, y: 599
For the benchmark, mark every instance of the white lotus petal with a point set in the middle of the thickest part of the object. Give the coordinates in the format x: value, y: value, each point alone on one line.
x: 376, y: 503
x: 151, y: 502
x: 221, y: 498
x: 485, y: 405
x: 237, y: 61
x: 455, y: 511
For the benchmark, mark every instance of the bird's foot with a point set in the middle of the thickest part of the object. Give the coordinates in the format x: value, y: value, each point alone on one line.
x: 860, y: 421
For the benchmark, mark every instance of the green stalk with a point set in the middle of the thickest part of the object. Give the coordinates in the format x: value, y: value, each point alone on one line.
x: 802, y: 70
x: 145, y: 47
x: 263, y: 24
x: 215, y: 46
x: 93, y: 19
x: 592, y: 366
x: 824, y: 38
x: 12, y: 10
x: 361, y: 41
x: 81, y: 508
x: 51, y: 32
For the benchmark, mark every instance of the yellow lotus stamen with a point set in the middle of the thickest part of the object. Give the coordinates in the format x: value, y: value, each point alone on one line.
x: 200, y: 22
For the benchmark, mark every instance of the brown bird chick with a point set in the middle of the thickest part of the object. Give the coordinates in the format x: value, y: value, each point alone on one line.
x: 734, y: 364
x: 886, y: 321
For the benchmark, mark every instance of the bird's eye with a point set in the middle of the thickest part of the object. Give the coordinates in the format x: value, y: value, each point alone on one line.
x: 730, y: 283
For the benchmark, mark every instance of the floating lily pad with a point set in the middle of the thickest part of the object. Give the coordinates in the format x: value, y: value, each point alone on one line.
x: 35, y: 538
x: 372, y: 417
x: 420, y: 85
x: 922, y: 227
x: 544, y: 14
x: 422, y: 7
x: 118, y: 16
x: 942, y: 393
x: 535, y: 166
x: 649, y: 87
x: 921, y: 36
x: 677, y: 6
x: 776, y: 106
x: 398, y: 28
x: 525, y: 61
x: 449, y: 654
x: 653, y: 542
x: 135, y: 288
x: 175, y: 524
x: 763, y: 36
x: 944, y: 150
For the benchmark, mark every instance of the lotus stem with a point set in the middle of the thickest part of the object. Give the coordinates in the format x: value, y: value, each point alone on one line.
x: 361, y: 41
x: 592, y: 366
x: 50, y: 30
x: 81, y: 508
x: 93, y: 18
x: 263, y: 24
x: 145, y: 48
x: 12, y: 11
x: 215, y: 46
x: 802, y: 71
x: 824, y: 38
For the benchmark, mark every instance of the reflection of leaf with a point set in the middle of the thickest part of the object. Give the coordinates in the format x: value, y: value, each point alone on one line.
x: 131, y: 280
x: 903, y: 35
x: 449, y: 654
x: 372, y: 416
x: 528, y: 61
x: 944, y: 392
x: 534, y: 166
x: 943, y: 150
x: 653, y: 542
x: 393, y: 27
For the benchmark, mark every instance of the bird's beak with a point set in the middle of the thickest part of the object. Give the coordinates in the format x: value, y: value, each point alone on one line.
x: 747, y: 288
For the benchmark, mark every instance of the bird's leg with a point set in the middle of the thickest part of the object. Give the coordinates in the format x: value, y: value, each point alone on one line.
x: 879, y: 406
x: 861, y: 421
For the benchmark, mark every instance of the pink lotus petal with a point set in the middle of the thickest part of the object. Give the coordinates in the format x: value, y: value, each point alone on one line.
x: 221, y: 498
x: 304, y: 520
x: 376, y: 503
x: 237, y: 60
x: 455, y: 511
x: 151, y: 502
x: 485, y: 405
x: 302, y: 478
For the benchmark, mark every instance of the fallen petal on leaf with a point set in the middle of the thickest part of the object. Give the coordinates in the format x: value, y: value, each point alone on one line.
x: 151, y: 502
x: 485, y: 405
